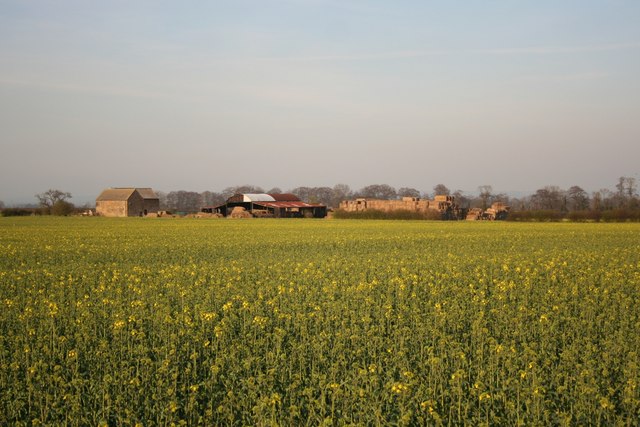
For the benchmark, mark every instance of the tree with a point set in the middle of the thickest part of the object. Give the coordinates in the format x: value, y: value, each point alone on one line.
x: 441, y: 190
x: 50, y: 197
x: 606, y: 199
x: 1, y: 204
x: 408, y: 192
x: 626, y: 191
x: 184, y: 201
x: 578, y: 199
x: 461, y: 199
x: 162, y: 199
x: 341, y: 192
x: 303, y: 193
x: 211, y: 198
x: 322, y: 195
x: 596, y: 201
x: 630, y: 187
x: 378, y: 191
x: 486, y: 192
x: 241, y: 189
x: 274, y: 190
x: 62, y: 208
x: 548, y: 198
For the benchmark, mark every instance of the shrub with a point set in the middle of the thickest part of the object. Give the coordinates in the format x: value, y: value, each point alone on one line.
x: 536, y: 216
x: 621, y: 215
x: 400, y: 214
x: 17, y: 212
x: 62, y: 208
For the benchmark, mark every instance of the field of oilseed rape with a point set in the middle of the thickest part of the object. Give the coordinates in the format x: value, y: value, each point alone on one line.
x: 318, y: 322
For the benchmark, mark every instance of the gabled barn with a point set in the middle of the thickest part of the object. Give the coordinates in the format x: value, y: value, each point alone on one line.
x: 269, y: 205
x: 121, y: 202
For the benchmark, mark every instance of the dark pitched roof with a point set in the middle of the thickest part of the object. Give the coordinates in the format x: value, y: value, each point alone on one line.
x: 147, y: 193
x: 123, y: 194
x: 285, y: 197
x: 115, y: 194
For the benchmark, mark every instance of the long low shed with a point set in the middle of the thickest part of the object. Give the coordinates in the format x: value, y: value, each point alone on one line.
x: 270, y: 205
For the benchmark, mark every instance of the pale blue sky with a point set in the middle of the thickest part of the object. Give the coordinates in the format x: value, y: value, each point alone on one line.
x: 201, y: 95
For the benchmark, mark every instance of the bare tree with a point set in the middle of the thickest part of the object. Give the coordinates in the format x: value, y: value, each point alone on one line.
x: 275, y: 190
x: 322, y: 195
x: 626, y: 192
x: 607, y: 199
x: 378, y: 191
x: 184, y: 201
x: 303, y: 193
x: 548, y: 198
x: 162, y: 199
x: 341, y: 192
x: 630, y: 187
x: 578, y: 198
x: 50, y: 197
x: 230, y: 191
x: 441, y: 190
x: 486, y: 191
x: 211, y: 198
x: 408, y: 192
x: 500, y: 197
x: 596, y: 201
x: 461, y: 199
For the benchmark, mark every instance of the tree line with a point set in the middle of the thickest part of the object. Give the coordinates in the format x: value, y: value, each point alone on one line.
x: 555, y: 203
x: 547, y: 203
x: 550, y: 202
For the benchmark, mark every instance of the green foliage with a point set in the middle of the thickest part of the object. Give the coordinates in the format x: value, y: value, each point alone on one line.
x: 16, y: 212
x: 306, y: 322
x: 62, y: 208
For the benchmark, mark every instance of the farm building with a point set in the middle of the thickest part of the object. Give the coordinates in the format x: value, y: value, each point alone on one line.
x: 121, y: 202
x: 267, y: 205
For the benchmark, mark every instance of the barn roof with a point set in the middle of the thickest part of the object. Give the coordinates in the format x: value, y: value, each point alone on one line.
x: 285, y: 197
x: 263, y: 197
x: 115, y: 194
x: 288, y: 204
x: 147, y: 193
x: 257, y: 197
x: 123, y: 194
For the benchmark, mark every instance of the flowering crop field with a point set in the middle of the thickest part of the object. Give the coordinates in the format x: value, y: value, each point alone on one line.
x: 318, y: 322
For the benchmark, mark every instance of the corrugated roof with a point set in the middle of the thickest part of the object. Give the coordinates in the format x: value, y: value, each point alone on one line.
x: 297, y: 204
x: 257, y: 197
x: 285, y: 197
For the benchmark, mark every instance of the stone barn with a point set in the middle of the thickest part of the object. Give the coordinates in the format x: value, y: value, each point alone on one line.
x: 121, y: 202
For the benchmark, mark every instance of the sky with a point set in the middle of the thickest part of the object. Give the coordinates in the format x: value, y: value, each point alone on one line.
x: 203, y: 95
